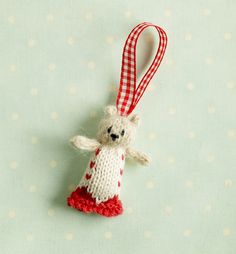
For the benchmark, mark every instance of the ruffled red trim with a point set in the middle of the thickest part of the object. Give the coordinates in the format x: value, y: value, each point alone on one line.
x: 81, y: 200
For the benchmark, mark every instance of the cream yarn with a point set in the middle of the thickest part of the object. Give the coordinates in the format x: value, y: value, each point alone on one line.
x: 103, y: 174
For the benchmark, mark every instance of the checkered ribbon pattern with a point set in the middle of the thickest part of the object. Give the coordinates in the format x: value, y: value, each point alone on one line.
x: 128, y: 94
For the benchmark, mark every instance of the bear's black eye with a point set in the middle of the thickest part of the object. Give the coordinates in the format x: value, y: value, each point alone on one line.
x: 123, y: 133
x: 109, y: 129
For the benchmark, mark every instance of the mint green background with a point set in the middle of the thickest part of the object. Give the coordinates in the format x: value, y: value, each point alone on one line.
x: 60, y: 64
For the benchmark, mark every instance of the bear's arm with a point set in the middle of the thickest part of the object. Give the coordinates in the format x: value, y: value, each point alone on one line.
x: 85, y: 143
x: 137, y: 156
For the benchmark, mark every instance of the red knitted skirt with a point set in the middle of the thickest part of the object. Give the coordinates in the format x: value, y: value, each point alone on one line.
x: 83, y: 201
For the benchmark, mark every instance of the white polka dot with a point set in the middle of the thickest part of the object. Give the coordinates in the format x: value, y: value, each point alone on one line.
x: 51, y: 212
x: 110, y: 39
x: 206, y: 12
x: 32, y: 188
x: 169, y: 61
x: 231, y: 134
x: 171, y: 160
x: 129, y: 210
x: 12, y: 67
x: 12, y: 214
x: 191, y: 135
x: 11, y: 19
x: 51, y: 67
x: 149, y: 38
x: 227, y: 232
x: 208, y: 208
x: 89, y: 16
x: 210, y: 157
x: 168, y: 210
x: 172, y: 110
x: 188, y: 37
x: 211, y: 109
x: 50, y: 18
x: 14, y: 164
x: 108, y: 235
x: 228, y: 183
x: 147, y: 234
x: 227, y: 36
x: 73, y: 89
x: 128, y: 14
x: 34, y: 91
x: 15, y: 116
x: 189, y: 184
x: 113, y: 89
x: 31, y: 43
x: 29, y: 237
x: 54, y: 115
x: 209, y: 60
x: 151, y: 88
x: 152, y: 136
x: 69, y: 236
x: 34, y: 140
x: 190, y: 86
x: 53, y: 163
x: 71, y: 40
x: 168, y: 12
x: 230, y: 84
x: 187, y: 232
x: 71, y: 187
x: 91, y: 65
x: 93, y: 114
x: 150, y: 185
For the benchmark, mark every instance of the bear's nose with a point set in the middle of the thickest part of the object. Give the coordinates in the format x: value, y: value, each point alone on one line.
x: 114, y: 136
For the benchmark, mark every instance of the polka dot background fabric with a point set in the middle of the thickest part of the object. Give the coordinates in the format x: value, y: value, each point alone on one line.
x: 60, y: 65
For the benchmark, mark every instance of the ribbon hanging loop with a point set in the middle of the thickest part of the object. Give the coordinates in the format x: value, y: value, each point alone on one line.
x: 128, y: 94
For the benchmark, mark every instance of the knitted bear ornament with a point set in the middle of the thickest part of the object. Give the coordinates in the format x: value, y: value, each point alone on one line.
x: 99, y: 189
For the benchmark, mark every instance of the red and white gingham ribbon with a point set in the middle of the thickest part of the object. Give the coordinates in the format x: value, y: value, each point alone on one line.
x: 129, y: 95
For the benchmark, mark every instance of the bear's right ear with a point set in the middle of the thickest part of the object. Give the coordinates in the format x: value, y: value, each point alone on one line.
x: 135, y: 119
x: 110, y: 110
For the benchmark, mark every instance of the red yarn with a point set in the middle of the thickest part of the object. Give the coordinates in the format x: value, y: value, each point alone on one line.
x: 81, y: 200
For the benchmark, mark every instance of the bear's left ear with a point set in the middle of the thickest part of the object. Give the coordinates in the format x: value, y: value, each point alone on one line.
x: 135, y: 119
x: 110, y: 110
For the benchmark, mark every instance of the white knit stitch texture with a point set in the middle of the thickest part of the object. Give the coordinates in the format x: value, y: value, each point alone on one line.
x: 103, y: 174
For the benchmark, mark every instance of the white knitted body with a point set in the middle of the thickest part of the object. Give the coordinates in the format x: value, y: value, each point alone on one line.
x: 103, y: 174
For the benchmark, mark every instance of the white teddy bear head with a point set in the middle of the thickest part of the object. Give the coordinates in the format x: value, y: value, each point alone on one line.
x: 116, y: 130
